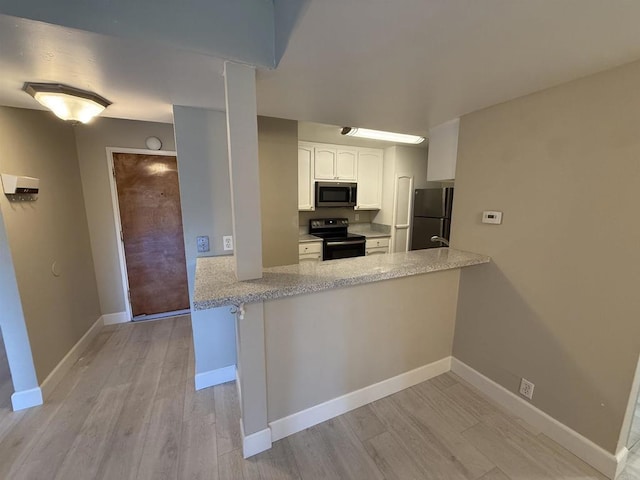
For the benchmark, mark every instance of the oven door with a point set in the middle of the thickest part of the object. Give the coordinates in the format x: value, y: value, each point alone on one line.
x: 334, y: 249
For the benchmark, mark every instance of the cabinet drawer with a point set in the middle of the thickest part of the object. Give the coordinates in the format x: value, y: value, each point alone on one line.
x: 311, y: 247
x: 376, y: 251
x: 307, y: 257
x: 377, y: 242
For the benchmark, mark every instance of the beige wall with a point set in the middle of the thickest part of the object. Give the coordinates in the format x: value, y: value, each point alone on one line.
x: 57, y: 310
x: 278, y: 162
x: 323, y: 345
x: 559, y: 305
x: 91, y: 141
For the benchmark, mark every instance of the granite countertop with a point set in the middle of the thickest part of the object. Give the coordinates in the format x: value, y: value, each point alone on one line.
x: 371, y: 230
x: 216, y: 284
x: 372, y: 233
x: 305, y: 238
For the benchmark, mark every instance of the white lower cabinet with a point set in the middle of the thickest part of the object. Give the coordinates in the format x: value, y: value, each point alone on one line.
x: 376, y: 246
x: 310, y: 251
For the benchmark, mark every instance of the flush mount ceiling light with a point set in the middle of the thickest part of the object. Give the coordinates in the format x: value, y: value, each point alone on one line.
x: 68, y: 103
x: 380, y: 135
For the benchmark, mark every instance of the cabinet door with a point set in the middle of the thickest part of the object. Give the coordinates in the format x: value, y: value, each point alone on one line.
x: 325, y: 160
x: 369, y: 179
x: 305, y: 178
x: 377, y: 251
x: 346, y: 164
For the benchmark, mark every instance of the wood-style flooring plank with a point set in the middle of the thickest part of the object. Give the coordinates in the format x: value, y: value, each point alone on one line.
x: 586, y: 470
x: 508, y: 458
x: 227, y: 418
x: 278, y: 463
x: 495, y: 474
x: 127, y: 440
x: 471, y: 401
x: 198, y: 455
x: 90, y: 445
x: 417, y: 441
x: 163, y: 438
x: 437, y: 430
x: 557, y: 466
x: 17, y: 442
x: 444, y: 381
x: 392, y: 459
x: 364, y: 423
x: 456, y: 416
x: 51, y: 447
x: 331, y: 451
x: 231, y: 466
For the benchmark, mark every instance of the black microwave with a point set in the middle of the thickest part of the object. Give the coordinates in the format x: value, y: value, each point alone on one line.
x: 336, y: 194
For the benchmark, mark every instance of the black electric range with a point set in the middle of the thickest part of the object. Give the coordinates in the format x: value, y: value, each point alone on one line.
x: 337, y: 241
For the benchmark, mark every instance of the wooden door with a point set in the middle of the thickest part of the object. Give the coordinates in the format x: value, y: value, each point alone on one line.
x: 151, y: 219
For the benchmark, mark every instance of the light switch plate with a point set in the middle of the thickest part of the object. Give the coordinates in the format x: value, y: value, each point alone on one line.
x: 203, y: 244
x: 493, y: 217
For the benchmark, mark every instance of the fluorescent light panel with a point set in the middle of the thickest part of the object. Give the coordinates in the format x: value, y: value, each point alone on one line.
x: 381, y: 135
x: 67, y: 103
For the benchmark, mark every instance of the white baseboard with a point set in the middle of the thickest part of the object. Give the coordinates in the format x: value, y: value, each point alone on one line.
x: 113, y: 318
x: 69, y: 359
x: 215, y: 377
x: 26, y: 399
x: 297, y: 422
x: 605, y: 462
x: 256, y: 442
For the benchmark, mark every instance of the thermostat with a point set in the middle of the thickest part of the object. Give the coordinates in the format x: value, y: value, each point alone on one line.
x: 489, y: 216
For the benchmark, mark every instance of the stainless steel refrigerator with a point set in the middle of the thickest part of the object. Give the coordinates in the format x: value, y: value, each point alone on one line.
x: 431, y: 216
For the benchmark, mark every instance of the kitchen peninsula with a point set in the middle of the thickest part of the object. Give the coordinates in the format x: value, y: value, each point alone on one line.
x: 318, y: 339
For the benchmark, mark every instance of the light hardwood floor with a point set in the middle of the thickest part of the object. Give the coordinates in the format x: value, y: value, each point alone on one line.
x: 128, y: 410
x: 6, y: 387
x: 634, y: 437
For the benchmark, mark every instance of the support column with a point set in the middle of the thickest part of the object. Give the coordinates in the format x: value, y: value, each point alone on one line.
x: 242, y: 135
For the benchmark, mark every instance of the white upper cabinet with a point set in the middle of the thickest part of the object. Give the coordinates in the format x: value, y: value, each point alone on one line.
x: 369, y: 179
x: 334, y: 163
x: 305, y: 177
x: 346, y: 164
x: 443, y: 151
x: 325, y: 163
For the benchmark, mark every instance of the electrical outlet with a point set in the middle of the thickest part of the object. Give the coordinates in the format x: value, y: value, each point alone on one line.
x: 357, y: 215
x: 526, y: 388
x: 227, y: 242
x: 203, y: 244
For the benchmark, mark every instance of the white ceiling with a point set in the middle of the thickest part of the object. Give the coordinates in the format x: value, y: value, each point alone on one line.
x: 407, y: 65
x: 402, y: 65
x: 142, y: 80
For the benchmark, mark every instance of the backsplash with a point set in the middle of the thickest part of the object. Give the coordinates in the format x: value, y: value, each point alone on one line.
x: 364, y: 216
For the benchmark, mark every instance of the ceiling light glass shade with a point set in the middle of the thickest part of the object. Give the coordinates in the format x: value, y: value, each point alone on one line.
x: 67, y: 103
x: 380, y: 135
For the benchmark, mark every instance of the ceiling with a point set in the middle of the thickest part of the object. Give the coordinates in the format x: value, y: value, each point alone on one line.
x: 401, y: 66
x: 142, y: 80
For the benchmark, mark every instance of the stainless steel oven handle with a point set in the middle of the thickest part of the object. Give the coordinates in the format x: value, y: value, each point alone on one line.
x: 348, y: 242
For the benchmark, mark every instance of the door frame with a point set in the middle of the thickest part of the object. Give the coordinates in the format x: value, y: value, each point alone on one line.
x: 122, y: 261
x: 394, y: 219
x: 627, y: 423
